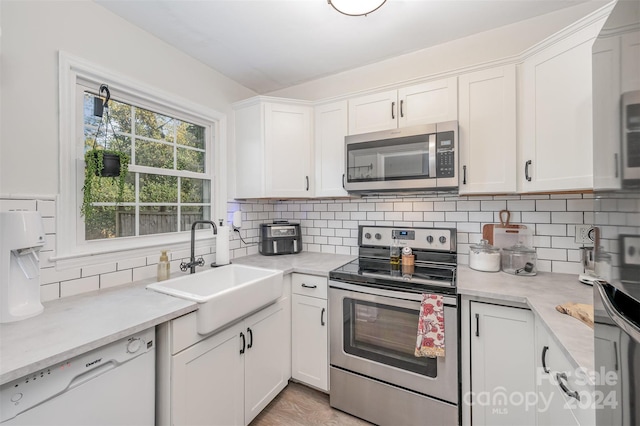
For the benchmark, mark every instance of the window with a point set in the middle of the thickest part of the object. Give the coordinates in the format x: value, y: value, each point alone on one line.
x: 168, y: 186
x: 176, y: 149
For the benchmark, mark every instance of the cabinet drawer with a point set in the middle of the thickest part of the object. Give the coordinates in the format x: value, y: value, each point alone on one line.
x: 309, y: 285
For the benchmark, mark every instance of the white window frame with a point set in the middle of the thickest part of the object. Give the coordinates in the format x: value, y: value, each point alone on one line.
x: 71, y: 248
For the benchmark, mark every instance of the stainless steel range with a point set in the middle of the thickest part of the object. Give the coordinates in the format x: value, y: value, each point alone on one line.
x: 374, y: 310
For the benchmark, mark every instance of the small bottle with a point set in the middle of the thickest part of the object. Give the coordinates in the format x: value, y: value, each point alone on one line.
x: 164, y: 267
x: 394, y: 253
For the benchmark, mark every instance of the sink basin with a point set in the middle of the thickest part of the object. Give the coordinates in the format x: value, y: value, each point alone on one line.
x: 225, y: 294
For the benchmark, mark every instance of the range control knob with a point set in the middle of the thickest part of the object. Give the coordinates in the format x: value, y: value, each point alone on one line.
x: 16, y: 397
x: 367, y: 236
x: 378, y: 237
x: 429, y: 239
x: 442, y: 239
x: 134, y: 346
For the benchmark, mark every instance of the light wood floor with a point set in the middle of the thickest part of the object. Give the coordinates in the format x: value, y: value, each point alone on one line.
x: 299, y: 405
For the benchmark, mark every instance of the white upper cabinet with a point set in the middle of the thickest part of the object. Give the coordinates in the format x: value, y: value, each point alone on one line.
x: 426, y: 103
x: 487, y: 126
x: 606, y: 106
x: 330, y: 129
x: 273, y: 149
x: 556, y: 116
x: 630, y: 61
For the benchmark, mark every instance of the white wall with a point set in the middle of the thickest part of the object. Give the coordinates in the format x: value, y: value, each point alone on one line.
x: 32, y: 34
x: 470, y: 51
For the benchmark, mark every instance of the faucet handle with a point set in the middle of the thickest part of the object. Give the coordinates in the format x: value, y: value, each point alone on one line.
x: 200, y: 261
x: 184, y: 267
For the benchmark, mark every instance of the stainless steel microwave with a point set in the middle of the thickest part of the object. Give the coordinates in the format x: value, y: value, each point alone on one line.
x: 420, y: 158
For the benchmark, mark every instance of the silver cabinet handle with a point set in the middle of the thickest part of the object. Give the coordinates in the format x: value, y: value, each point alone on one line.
x: 401, y: 108
x: 343, y: 182
x: 309, y: 286
x: 464, y: 175
x: 393, y: 110
x: 322, y: 317
x: 307, y: 179
x: 526, y: 170
x: 477, y: 325
x: 562, y: 378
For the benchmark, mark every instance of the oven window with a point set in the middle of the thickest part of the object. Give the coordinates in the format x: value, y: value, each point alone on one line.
x: 402, y: 158
x: 385, y: 334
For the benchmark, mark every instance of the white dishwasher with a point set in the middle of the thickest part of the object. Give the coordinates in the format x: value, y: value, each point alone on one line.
x: 110, y: 385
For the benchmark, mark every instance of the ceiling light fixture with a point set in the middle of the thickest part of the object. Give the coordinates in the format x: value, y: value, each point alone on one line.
x: 356, y: 7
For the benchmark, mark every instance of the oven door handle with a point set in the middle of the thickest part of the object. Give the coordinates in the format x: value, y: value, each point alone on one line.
x: 448, y: 299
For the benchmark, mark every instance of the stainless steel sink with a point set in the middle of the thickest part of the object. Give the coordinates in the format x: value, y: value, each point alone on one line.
x: 226, y: 293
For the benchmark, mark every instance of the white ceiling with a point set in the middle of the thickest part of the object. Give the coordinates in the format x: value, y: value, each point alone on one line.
x: 267, y: 45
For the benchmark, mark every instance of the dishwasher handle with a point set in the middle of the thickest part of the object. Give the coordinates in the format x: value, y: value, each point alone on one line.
x: 91, y: 374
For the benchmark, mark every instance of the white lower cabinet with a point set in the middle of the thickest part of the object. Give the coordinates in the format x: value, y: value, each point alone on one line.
x: 502, y: 365
x: 226, y: 378
x: 309, y: 331
x: 565, y: 396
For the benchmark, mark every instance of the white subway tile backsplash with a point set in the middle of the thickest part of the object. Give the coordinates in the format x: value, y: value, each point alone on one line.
x: 521, y: 205
x: 564, y: 242
x: 52, y: 275
x: 366, y: 207
x: 135, y: 262
x: 469, y: 227
x: 434, y: 216
x: 393, y: 216
x: 104, y: 268
x: 484, y: 217
x: 116, y: 278
x: 145, y: 272
x: 566, y: 268
x: 551, y: 205
x: 413, y: 216
x: 494, y: 206
x: 403, y: 207
x: 536, y: 217
x: 328, y: 232
x: 82, y: 285
x: 468, y: 206
x: 552, y: 254
x: 49, y: 292
x: 7, y: 205
x: 327, y: 215
x: 384, y: 207
x: 551, y: 229
x: 567, y: 217
x: 456, y: 216
x: 375, y: 215
x: 442, y: 206
x: 423, y: 206
x: 580, y: 205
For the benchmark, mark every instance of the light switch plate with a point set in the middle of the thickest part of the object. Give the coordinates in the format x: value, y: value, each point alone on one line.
x: 585, y: 234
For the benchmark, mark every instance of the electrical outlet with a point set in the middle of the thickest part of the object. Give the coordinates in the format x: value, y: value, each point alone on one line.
x: 585, y: 234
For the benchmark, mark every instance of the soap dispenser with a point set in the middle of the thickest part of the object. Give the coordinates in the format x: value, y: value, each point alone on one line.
x: 164, y: 267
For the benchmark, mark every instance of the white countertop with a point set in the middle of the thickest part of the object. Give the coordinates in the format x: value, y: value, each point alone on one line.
x: 303, y: 262
x: 542, y: 293
x: 73, y: 325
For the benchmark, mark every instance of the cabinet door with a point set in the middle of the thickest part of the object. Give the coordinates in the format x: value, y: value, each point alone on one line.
x: 309, y: 337
x: 606, y: 107
x: 249, y: 145
x: 266, y: 369
x: 331, y: 126
x: 288, y: 140
x: 487, y: 131
x: 502, y: 364
x: 557, y: 126
x: 630, y: 61
x: 207, y: 384
x: 427, y: 103
x: 373, y: 113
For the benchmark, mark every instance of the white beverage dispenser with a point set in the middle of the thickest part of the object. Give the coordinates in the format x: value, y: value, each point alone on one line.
x: 21, y: 238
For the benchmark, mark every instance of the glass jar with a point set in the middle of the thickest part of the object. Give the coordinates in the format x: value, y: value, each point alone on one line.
x: 519, y: 260
x: 484, y: 257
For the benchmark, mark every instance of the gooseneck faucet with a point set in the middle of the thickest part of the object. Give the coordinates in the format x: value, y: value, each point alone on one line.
x: 192, y: 260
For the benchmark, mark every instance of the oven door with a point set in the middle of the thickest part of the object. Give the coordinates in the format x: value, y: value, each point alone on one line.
x: 373, y: 332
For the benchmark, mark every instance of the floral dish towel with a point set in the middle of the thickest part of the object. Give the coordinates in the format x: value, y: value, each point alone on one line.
x: 430, y: 340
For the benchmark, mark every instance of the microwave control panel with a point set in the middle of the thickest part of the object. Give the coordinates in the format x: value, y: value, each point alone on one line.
x: 445, y: 155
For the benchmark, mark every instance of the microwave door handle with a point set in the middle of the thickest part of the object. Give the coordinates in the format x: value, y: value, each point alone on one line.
x: 432, y: 155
